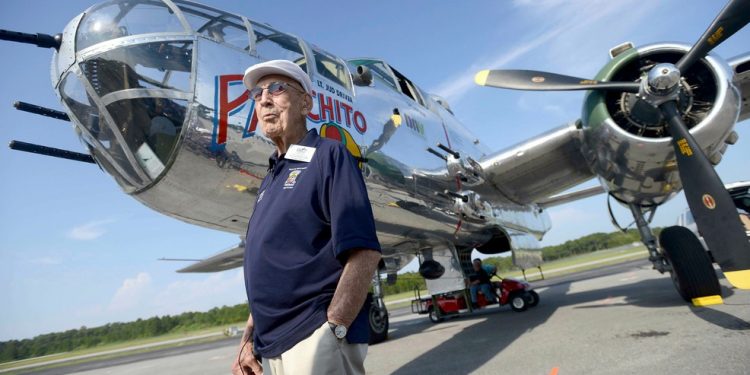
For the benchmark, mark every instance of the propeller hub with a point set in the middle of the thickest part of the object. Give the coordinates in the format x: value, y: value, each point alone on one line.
x: 663, y: 78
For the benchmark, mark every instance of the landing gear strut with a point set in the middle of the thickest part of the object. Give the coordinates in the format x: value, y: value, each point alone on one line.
x: 378, y: 314
x: 660, y: 263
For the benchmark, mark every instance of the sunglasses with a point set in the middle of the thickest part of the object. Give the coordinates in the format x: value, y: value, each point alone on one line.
x: 274, y: 88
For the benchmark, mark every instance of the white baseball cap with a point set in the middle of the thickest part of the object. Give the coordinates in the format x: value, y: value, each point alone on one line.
x: 281, y: 67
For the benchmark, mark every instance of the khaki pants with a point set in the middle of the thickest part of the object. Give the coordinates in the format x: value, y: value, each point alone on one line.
x: 319, y: 354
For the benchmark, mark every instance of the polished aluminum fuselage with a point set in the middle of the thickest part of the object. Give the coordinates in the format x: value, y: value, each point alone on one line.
x: 160, y: 104
x: 211, y: 177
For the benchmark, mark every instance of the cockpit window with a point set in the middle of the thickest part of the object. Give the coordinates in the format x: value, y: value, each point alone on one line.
x: 97, y: 133
x: 331, y: 67
x: 160, y: 65
x: 378, y: 69
x: 219, y: 26
x: 150, y: 127
x: 272, y: 45
x: 117, y: 19
x: 407, y: 87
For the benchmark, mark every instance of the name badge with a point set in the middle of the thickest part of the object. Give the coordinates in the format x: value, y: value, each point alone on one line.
x: 300, y: 153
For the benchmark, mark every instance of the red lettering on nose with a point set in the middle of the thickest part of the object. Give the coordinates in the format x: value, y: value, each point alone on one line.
x: 359, y: 122
x: 226, y: 106
x: 326, y: 106
x: 347, y: 111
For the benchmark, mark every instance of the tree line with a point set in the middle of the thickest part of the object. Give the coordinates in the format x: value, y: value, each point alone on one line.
x: 84, y: 337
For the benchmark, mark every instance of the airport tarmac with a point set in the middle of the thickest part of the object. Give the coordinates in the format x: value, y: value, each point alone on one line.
x: 624, y: 319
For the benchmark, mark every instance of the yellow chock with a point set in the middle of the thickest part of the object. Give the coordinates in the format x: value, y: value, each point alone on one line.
x: 708, y: 301
x: 738, y: 279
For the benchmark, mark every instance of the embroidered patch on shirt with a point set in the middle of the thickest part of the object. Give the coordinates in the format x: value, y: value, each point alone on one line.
x: 291, y: 180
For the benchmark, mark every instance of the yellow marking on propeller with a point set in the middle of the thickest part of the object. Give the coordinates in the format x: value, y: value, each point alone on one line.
x: 588, y: 82
x: 685, y: 147
x: 708, y: 301
x: 481, y: 77
x: 739, y: 279
x: 716, y: 36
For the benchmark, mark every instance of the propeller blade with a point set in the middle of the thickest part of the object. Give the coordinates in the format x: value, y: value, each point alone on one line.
x: 734, y: 16
x: 711, y: 205
x: 543, y: 81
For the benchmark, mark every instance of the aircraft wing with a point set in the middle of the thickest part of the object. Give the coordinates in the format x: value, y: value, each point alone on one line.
x: 222, y: 261
x: 535, y: 170
x: 741, y: 66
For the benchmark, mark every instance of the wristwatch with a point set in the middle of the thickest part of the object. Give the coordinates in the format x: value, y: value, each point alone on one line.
x: 338, y: 330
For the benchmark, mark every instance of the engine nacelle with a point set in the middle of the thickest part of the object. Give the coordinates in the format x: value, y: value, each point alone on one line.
x: 627, y: 141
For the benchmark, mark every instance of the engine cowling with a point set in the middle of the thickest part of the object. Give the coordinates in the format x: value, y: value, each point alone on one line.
x: 627, y: 141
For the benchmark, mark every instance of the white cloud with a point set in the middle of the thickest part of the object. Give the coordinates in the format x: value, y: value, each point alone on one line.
x: 139, y: 296
x: 89, y: 231
x: 202, y: 294
x: 132, y: 292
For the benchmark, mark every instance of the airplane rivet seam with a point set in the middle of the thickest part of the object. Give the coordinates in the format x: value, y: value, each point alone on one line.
x: 133, y: 40
x: 145, y: 93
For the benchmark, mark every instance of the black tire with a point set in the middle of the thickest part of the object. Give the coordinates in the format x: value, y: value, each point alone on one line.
x: 432, y: 314
x: 378, y: 319
x: 533, y: 298
x: 692, y: 272
x: 518, y: 302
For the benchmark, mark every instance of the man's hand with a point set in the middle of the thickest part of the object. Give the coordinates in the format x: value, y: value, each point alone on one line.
x: 246, y: 363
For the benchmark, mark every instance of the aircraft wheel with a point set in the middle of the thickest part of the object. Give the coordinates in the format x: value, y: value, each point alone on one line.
x: 533, y: 298
x: 378, y: 324
x: 518, y: 302
x: 434, y: 316
x: 692, y: 272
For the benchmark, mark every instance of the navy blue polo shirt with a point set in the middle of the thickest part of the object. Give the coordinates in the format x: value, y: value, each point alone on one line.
x: 307, y: 215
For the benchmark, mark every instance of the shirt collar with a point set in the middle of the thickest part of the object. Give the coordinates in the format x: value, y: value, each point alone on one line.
x: 310, y: 139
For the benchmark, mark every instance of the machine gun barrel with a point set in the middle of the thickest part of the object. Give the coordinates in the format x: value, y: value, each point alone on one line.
x: 51, y: 151
x: 39, y: 110
x: 39, y: 40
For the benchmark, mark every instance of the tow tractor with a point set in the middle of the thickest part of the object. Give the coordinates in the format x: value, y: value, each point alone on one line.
x: 517, y: 293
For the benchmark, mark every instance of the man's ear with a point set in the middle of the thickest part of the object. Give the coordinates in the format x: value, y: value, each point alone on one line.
x: 307, y: 105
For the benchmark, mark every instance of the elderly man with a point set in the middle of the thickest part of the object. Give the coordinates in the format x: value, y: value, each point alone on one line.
x: 311, y: 248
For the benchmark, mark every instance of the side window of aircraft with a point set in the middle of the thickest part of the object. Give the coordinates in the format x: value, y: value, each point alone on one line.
x: 378, y: 69
x: 271, y: 45
x: 407, y: 87
x: 219, y: 26
x: 331, y: 67
x: 114, y: 20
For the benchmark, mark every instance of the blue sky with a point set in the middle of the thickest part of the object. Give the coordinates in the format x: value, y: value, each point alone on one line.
x: 75, y: 250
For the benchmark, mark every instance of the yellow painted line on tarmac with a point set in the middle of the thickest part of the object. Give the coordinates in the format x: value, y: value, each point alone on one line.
x: 708, y: 301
